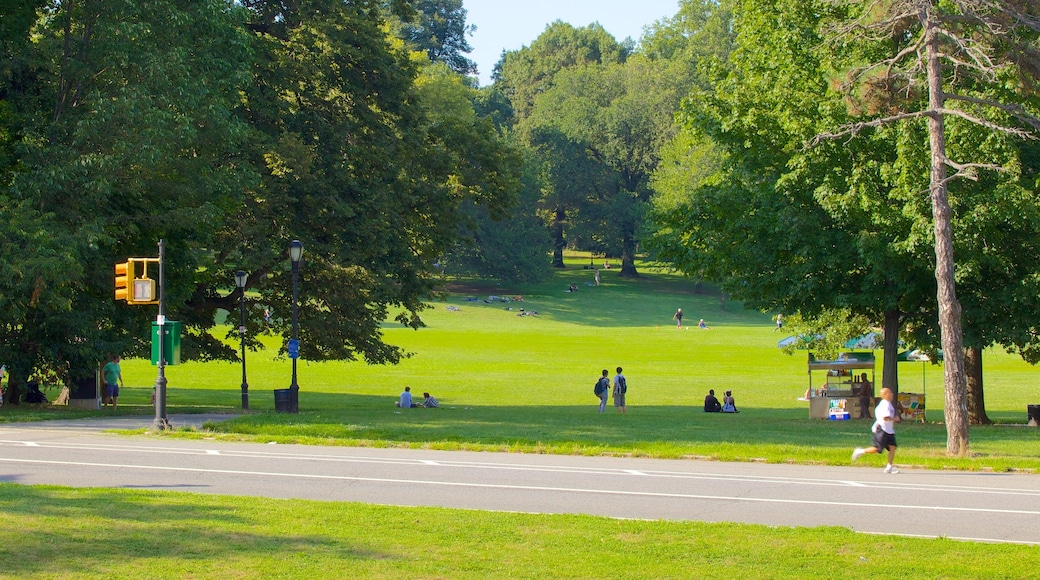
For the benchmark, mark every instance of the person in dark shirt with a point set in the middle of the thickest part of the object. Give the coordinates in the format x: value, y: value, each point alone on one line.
x: 711, y: 404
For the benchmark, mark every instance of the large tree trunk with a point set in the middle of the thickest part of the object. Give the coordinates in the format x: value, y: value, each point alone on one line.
x: 890, y: 370
x: 976, y: 398
x: 949, y: 307
x: 628, y: 258
x: 558, y: 242
x: 13, y: 393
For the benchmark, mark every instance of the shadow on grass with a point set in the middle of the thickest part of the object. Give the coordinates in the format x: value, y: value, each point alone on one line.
x: 667, y: 431
x: 73, y: 532
x: 617, y: 302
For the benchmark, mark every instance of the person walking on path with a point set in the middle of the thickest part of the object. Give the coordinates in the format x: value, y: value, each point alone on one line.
x: 620, y: 389
x: 603, y: 390
x: 677, y: 317
x: 113, y: 379
x: 884, y: 431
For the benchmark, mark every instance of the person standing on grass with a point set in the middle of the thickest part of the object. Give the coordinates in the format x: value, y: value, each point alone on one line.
x: 677, y: 317
x: 866, y: 393
x: 113, y: 379
x: 597, y: 276
x: 603, y: 390
x: 620, y: 389
x: 884, y: 431
x: 779, y: 322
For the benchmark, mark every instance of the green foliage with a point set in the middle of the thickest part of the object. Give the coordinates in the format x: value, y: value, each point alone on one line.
x: 123, y: 118
x: 825, y: 334
x: 229, y: 129
x: 438, y: 28
x: 524, y: 74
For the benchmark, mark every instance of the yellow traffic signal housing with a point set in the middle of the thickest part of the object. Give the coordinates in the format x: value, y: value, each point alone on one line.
x: 124, y: 273
x: 133, y: 283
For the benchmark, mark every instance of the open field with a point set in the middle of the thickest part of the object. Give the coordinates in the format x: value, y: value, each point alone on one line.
x: 56, y: 532
x: 524, y: 383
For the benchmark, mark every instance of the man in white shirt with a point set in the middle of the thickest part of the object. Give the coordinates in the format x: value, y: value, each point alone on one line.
x: 884, y: 430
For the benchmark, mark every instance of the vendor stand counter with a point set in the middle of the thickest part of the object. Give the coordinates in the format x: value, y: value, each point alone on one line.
x: 837, y: 398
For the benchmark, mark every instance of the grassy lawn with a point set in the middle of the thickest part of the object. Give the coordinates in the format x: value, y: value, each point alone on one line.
x: 524, y: 383
x: 519, y: 383
x: 55, y: 533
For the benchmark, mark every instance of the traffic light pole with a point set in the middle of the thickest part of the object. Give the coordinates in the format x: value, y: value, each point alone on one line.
x: 161, y: 420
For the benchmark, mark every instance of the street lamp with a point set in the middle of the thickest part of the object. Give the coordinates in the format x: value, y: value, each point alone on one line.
x: 295, y: 253
x: 240, y: 280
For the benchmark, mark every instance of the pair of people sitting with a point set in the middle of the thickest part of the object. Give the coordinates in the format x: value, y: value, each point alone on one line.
x: 712, y: 404
x: 406, y: 401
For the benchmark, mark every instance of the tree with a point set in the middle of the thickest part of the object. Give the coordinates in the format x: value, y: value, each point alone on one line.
x: 947, y: 51
x: 228, y: 130
x: 782, y: 227
x: 525, y: 73
x: 122, y: 115
x: 438, y: 28
x: 354, y: 163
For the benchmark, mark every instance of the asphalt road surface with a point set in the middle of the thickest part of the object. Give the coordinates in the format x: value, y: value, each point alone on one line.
x: 988, y: 507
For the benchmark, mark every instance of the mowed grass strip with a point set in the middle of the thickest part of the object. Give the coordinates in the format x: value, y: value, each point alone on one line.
x: 511, y: 380
x: 54, y: 532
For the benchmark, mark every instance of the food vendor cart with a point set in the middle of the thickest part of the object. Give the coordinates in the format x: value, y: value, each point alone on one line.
x: 835, y: 394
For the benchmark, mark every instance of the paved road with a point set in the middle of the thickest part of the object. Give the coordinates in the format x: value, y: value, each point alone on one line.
x: 977, y: 506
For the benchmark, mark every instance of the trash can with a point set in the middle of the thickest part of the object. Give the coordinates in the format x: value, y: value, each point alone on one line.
x: 85, y: 392
x: 286, y: 401
x: 1033, y: 412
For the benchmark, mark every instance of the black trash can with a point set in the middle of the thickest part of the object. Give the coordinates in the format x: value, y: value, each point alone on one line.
x: 85, y: 388
x: 1033, y: 412
x: 286, y: 400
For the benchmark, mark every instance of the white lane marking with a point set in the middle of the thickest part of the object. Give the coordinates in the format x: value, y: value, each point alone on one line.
x: 31, y: 444
x: 894, y: 485
x: 539, y: 488
x: 212, y: 452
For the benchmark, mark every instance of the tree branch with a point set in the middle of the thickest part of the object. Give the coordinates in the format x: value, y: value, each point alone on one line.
x: 852, y: 129
x: 987, y: 124
x: 1012, y: 109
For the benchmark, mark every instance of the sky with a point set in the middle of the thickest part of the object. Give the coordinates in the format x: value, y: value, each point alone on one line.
x: 512, y: 24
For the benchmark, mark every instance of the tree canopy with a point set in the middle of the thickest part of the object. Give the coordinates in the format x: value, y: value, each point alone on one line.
x: 228, y: 130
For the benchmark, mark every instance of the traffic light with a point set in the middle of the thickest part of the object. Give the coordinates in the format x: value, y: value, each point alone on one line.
x: 124, y: 274
x: 133, y: 283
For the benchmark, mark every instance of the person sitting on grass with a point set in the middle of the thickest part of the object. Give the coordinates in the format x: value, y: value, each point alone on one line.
x: 406, y: 399
x: 429, y: 401
x: 711, y: 404
x: 729, y: 404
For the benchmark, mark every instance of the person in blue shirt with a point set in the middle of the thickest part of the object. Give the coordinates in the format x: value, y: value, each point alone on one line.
x: 406, y: 399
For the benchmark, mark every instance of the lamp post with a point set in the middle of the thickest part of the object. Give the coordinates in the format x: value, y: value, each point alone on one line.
x: 240, y: 280
x: 295, y: 253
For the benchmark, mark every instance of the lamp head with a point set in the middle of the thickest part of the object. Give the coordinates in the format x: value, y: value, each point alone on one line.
x: 241, y: 278
x: 295, y: 251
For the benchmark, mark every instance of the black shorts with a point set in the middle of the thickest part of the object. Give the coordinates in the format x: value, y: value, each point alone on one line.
x: 883, y: 440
